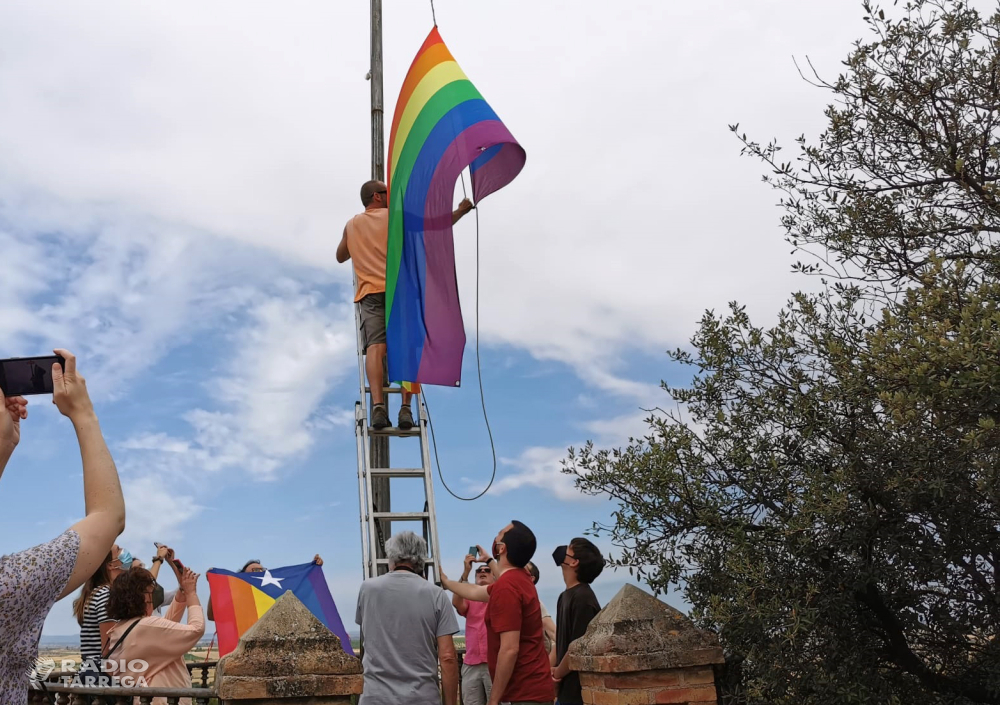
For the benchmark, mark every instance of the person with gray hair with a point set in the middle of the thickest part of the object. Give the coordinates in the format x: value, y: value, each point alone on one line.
x: 407, y: 625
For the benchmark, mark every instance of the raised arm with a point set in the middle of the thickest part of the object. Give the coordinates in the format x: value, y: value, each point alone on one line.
x: 464, y: 207
x: 173, y: 639
x: 15, y: 409
x: 104, y: 504
x: 493, y: 564
x: 343, y: 254
x: 163, y: 553
x: 461, y: 606
x: 186, y: 597
x: 476, y: 593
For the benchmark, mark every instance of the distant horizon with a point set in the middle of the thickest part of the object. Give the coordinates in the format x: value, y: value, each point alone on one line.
x: 74, y: 639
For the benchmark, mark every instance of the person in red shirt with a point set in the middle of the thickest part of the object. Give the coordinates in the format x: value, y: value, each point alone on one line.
x: 519, y: 666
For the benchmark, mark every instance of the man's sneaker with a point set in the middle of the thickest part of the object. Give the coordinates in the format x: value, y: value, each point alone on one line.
x: 380, y: 417
x: 405, y: 418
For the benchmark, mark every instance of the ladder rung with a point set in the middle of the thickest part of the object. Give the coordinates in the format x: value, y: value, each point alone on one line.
x: 387, y: 390
x: 400, y: 516
x: 394, y: 431
x: 397, y: 472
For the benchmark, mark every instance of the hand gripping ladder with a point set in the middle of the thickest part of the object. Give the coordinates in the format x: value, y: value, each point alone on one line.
x: 374, y: 476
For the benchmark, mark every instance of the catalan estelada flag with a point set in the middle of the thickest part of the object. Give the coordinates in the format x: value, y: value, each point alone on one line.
x: 240, y: 599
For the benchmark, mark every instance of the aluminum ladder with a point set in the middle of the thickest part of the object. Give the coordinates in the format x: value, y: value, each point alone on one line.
x: 377, y: 522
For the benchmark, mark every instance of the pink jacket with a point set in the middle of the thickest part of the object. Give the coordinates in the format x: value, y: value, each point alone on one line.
x: 161, y: 643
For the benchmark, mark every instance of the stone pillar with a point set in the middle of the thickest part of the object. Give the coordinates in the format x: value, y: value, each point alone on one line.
x: 288, y: 657
x: 640, y: 651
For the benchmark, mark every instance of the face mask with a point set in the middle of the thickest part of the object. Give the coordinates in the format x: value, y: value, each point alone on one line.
x: 125, y: 558
x: 157, y: 595
x: 559, y: 555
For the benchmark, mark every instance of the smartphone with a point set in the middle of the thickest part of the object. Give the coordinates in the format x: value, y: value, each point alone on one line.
x: 22, y: 376
x: 473, y: 551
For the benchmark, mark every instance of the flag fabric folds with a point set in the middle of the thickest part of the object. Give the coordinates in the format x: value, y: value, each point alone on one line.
x: 240, y: 599
x: 441, y: 125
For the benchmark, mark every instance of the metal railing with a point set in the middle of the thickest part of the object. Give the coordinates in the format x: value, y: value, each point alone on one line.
x: 90, y: 695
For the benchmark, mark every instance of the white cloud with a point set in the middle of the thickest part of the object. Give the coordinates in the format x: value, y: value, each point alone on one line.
x: 541, y: 468
x: 294, y: 348
x: 158, y: 510
x: 619, y: 429
x: 174, y: 138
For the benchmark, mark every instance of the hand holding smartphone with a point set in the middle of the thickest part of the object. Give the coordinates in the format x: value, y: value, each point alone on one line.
x: 170, y: 557
x: 24, y: 376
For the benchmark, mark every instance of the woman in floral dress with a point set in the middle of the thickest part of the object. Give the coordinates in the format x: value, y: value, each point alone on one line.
x: 32, y: 580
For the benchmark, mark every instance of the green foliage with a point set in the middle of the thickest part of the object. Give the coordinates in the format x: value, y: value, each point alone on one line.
x: 830, y: 500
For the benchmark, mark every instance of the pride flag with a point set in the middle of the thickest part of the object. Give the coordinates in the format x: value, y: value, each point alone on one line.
x: 240, y: 599
x: 441, y: 125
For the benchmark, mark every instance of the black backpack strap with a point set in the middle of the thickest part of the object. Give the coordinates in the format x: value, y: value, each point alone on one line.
x: 118, y: 643
x: 48, y: 696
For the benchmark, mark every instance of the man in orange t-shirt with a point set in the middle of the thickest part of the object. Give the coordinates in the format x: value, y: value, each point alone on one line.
x: 366, y: 240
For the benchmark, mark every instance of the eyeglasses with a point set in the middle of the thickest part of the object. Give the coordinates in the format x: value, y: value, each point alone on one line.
x: 484, y: 571
x: 383, y: 192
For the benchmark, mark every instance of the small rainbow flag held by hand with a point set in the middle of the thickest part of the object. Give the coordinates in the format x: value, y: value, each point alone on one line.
x: 240, y: 599
x: 441, y: 125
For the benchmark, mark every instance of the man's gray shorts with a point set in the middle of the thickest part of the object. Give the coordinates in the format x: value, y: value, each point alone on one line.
x: 373, y: 320
x: 476, y: 684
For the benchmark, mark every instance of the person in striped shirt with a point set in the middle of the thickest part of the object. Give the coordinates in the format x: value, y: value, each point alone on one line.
x: 90, y: 607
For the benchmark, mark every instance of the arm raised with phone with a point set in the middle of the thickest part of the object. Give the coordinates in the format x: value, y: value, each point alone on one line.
x: 105, y: 506
x: 102, y: 491
x: 33, y: 579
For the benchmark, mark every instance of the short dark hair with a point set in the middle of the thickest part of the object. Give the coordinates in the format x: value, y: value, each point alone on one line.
x: 368, y: 191
x: 520, y: 543
x: 533, y: 570
x: 591, y: 562
x: 127, y: 598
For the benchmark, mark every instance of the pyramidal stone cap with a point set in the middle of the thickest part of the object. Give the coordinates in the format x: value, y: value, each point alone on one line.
x: 637, y: 632
x: 288, y: 653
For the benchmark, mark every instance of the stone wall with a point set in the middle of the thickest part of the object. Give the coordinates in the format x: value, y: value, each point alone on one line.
x: 637, y: 651
x: 641, y: 651
x: 288, y: 657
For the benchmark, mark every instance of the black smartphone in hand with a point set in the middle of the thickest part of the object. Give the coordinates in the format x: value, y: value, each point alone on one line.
x: 24, y: 376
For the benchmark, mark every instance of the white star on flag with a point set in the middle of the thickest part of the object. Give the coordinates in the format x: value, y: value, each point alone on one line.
x: 268, y: 579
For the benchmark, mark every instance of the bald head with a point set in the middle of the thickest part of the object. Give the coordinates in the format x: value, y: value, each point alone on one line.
x: 373, y: 193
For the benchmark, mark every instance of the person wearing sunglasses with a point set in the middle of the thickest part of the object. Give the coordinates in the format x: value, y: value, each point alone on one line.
x: 476, y: 682
x: 366, y: 241
x: 581, y: 562
x: 519, y: 666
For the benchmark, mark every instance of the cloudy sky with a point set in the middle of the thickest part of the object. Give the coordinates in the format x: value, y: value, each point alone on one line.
x: 174, y: 179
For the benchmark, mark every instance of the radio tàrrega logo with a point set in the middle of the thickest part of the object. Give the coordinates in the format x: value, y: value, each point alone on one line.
x: 41, y: 670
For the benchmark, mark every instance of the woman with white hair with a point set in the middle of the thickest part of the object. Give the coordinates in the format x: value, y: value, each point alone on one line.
x: 407, y: 625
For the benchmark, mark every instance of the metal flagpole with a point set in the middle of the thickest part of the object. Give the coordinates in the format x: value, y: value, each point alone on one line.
x: 379, y: 445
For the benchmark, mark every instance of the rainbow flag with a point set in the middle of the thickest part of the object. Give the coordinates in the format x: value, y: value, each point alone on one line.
x: 441, y: 125
x: 240, y: 599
